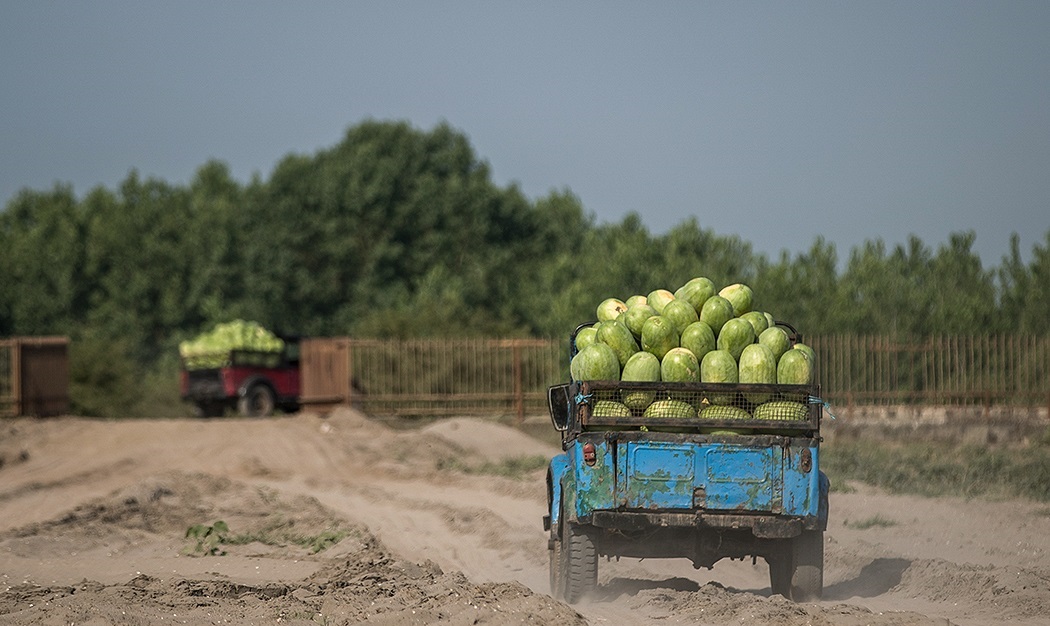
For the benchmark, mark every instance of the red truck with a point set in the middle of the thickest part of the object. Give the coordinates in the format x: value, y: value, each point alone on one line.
x: 251, y: 383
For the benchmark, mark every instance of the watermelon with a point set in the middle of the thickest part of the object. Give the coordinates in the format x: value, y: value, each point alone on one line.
x: 670, y: 408
x: 758, y: 366
x: 212, y: 349
x: 641, y: 367
x: 794, y: 368
x: 782, y: 410
x: 716, y: 311
x: 635, y: 299
x: 585, y: 337
x: 617, y: 336
x: 776, y: 339
x: 770, y: 322
x: 808, y: 352
x: 679, y: 365
x: 681, y: 314
x: 758, y: 321
x: 735, y: 335
x: 610, y: 309
x: 696, y: 292
x: 610, y: 408
x: 659, y: 335
x: 635, y: 317
x: 719, y: 366
x: 723, y: 412
x: 658, y: 299
x: 698, y: 338
x: 741, y: 297
x: 595, y: 362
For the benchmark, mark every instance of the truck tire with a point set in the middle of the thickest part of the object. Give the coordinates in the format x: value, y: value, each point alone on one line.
x: 807, y: 579
x: 781, y: 569
x: 258, y: 401
x: 556, y: 578
x: 579, y: 569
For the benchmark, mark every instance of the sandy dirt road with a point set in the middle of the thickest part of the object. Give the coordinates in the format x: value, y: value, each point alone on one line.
x: 94, y: 514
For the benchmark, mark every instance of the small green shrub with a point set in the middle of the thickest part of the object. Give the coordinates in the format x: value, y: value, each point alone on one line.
x: 207, y: 539
x: 875, y: 521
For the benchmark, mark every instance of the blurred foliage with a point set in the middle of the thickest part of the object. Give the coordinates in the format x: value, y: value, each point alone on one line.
x: 932, y: 469
x: 401, y: 232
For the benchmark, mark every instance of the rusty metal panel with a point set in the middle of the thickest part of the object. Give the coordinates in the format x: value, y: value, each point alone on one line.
x: 324, y: 369
x: 35, y: 375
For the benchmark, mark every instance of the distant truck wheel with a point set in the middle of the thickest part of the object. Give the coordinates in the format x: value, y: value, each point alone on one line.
x: 258, y: 401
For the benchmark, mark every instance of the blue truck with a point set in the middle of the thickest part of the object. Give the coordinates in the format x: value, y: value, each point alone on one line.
x: 647, y: 485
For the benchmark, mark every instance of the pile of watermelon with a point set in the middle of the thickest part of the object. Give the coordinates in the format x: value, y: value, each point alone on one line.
x: 696, y: 334
x: 212, y: 349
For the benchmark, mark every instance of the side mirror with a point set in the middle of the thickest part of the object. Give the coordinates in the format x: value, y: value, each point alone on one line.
x: 559, y: 403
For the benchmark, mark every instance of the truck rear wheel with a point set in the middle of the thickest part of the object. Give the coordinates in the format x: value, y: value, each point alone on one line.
x: 796, y: 570
x: 578, y: 573
x: 258, y: 401
x: 807, y: 580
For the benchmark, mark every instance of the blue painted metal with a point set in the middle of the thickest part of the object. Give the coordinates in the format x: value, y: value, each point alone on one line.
x: 663, y: 475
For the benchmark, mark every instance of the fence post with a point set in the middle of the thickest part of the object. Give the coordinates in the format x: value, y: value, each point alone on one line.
x: 519, y: 385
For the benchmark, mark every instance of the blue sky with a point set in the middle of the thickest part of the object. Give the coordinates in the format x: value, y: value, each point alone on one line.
x: 774, y: 121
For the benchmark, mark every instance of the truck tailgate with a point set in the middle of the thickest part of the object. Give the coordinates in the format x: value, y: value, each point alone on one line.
x: 712, y: 476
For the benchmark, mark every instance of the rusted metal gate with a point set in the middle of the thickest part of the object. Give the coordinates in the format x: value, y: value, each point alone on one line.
x: 34, y: 376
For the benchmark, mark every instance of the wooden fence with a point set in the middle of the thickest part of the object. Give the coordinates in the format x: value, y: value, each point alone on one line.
x: 509, y: 378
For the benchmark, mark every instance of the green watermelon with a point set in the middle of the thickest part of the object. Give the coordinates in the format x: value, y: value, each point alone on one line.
x: 719, y: 366
x: 735, y: 335
x: 782, y: 410
x: 681, y: 314
x: 758, y: 321
x: 698, y: 338
x: 670, y: 408
x: 758, y: 366
x: 770, y: 322
x: 610, y: 309
x: 635, y: 317
x: 635, y: 299
x: 696, y: 292
x: 659, y: 335
x: 723, y: 412
x: 595, y: 362
x: 740, y: 295
x: 809, y: 352
x: 658, y: 299
x: 776, y: 339
x: 716, y: 311
x: 641, y: 367
x: 610, y: 408
x: 679, y: 365
x: 585, y: 337
x: 794, y: 368
x: 617, y: 336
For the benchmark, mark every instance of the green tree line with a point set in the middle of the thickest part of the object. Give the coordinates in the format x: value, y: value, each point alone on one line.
x: 401, y: 232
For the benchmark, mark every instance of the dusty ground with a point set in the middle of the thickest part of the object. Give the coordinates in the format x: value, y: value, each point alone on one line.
x: 94, y: 514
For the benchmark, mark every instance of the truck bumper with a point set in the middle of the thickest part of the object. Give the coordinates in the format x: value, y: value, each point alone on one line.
x: 761, y: 526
